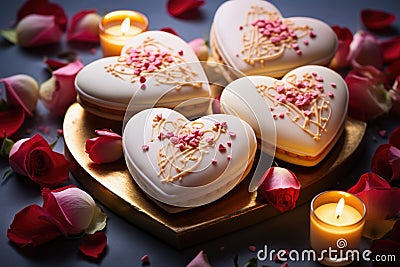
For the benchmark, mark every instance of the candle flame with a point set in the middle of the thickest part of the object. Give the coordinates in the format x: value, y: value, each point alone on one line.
x: 339, y: 208
x: 125, y: 25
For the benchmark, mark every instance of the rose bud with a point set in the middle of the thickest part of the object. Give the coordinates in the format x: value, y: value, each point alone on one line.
x: 200, y: 260
x: 280, y: 187
x: 33, y: 157
x: 200, y: 48
x: 74, y: 209
x: 365, y: 50
x: 58, y: 92
x: 84, y: 27
x: 105, y: 148
x: 22, y: 91
x: 368, y: 99
x: 36, y: 30
x: 345, y: 37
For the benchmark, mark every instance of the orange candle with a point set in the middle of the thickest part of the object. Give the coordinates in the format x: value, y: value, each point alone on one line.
x: 117, y: 27
x: 336, y: 222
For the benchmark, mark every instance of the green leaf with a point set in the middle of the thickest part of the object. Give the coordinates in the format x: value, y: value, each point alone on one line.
x: 251, y: 263
x: 6, y: 147
x: 52, y: 145
x: 6, y: 174
x: 10, y: 35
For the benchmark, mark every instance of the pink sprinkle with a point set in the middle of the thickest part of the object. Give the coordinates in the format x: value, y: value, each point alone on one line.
x: 214, y: 161
x: 224, y: 124
x: 314, y: 73
x: 93, y: 51
x: 333, y: 85
x: 280, y: 88
x: 145, y: 260
x: 295, y: 46
x: 232, y: 134
x: 305, y: 42
x: 252, y: 248
x: 281, y: 115
x: 271, y: 108
x: 142, y: 79
x: 240, y: 27
x: 221, y: 148
x: 145, y: 147
x: 313, y: 34
x: 174, y: 140
x: 382, y: 133
x: 275, y: 117
x: 319, y: 79
x: 229, y: 157
x: 60, y: 132
x: 299, y: 52
x: 143, y: 86
x: 307, y: 112
x: 180, y: 52
x: 229, y: 143
x: 237, y: 55
x: 159, y: 116
x: 331, y: 94
x: 210, y: 140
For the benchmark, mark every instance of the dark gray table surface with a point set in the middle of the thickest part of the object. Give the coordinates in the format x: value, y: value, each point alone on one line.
x: 127, y: 243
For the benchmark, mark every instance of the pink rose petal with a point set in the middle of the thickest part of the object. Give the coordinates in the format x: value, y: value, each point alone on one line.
x: 380, y: 162
x: 376, y: 19
x: 199, y: 261
x: 83, y: 27
x: 179, y: 7
x: 93, y: 245
x: 345, y: 37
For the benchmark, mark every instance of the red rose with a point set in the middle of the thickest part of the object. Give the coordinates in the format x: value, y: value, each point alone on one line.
x: 107, y: 147
x: 33, y: 157
x: 280, y: 187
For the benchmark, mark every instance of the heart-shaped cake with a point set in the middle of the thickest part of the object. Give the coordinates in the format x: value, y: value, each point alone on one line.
x: 308, y: 105
x: 155, y: 68
x: 252, y: 36
x: 187, y: 163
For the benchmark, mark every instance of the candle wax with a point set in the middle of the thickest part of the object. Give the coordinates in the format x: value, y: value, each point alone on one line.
x: 327, y: 214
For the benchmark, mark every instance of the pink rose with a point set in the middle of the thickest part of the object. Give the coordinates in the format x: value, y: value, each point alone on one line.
x: 365, y: 50
x: 345, y: 37
x: 368, y: 99
x: 65, y: 211
x: 58, y: 92
x: 105, y: 148
x: 200, y: 48
x: 84, y: 27
x: 33, y: 157
x: 280, y: 187
x: 36, y: 30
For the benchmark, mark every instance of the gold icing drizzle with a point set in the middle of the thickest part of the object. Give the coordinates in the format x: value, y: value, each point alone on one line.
x: 168, y: 71
x: 312, y: 117
x: 174, y: 162
x: 258, y: 47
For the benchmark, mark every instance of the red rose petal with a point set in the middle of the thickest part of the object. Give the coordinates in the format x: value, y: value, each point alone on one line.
x: 169, y: 30
x: 376, y: 19
x: 391, y: 49
x: 380, y: 163
x: 33, y: 226
x: 93, y: 245
x: 394, y: 138
x: 43, y: 7
x: 11, y: 121
x: 178, y: 7
x: 394, y: 160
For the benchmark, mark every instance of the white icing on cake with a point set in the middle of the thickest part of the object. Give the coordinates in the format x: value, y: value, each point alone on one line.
x: 212, y: 153
x: 155, y: 67
x: 309, y: 107
x: 253, y: 37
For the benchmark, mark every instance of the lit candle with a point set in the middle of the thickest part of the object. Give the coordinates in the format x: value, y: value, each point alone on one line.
x: 117, y: 27
x: 336, y: 223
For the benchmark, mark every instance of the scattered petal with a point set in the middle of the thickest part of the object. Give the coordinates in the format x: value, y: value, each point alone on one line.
x: 10, y: 121
x: 394, y: 138
x: 365, y: 50
x: 376, y: 19
x: 84, y: 27
x: 391, y: 49
x: 199, y: 261
x: 345, y: 37
x: 179, y: 7
x: 169, y: 30
x: 145, y: 260
x: 93, y: 245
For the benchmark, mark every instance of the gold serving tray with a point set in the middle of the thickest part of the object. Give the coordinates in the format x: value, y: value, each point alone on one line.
x: 113, y: 186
